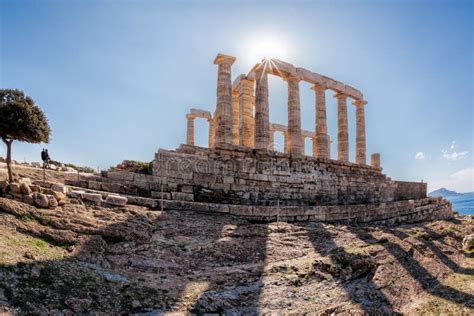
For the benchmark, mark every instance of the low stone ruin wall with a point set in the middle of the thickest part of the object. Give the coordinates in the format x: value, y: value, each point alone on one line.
x: 242, y: 176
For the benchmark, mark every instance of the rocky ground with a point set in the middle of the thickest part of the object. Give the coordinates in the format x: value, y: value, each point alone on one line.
x: 86, y: 258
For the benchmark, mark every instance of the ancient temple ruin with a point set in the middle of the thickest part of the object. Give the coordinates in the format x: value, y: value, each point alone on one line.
x: 242, y: 173
x: 241, y: 116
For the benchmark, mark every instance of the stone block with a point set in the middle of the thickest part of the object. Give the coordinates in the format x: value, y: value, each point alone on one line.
x: 111, y: 187
x: 57, y: 187
x: 116, y: 200
x: 92, y: 197
x: 180, y: 196
x: 77, y: 194
x: 94, y: 185
x: 187, y: 189
x: 240, y: 210
x: 158, y: 195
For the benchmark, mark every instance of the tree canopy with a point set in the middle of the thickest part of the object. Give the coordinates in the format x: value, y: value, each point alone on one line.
x: 21, y: 119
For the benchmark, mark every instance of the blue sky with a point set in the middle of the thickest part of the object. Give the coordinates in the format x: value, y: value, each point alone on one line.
x: 116, y: 78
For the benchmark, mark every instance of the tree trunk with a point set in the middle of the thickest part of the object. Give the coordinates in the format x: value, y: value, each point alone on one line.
x: 9, y: 158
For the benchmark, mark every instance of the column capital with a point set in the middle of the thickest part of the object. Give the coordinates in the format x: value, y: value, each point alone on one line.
x: 317, y: 87
x: 340, y: 95
x: 359, y: 102
x: 290, y: 77
x: 224, y: 59
x: 190, y: 116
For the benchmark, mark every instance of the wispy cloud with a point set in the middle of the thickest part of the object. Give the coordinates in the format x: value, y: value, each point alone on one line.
x: 453, y: 153
x: 420, y: 156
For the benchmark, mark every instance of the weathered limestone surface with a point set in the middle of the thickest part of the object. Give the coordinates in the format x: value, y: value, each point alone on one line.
x: 262, y: 119
x: 190, y: 130
x: 294, y: 116
x: 321, y: 141
x: 375, y: 160
x: 236, y: 119
x: 224, y: 99
x: 246, y: 103
x: 342, y: 128
x: 360, y: 132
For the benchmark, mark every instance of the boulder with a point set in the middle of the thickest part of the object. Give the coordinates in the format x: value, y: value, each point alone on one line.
x: 3, y: 185
x: 25, y: 189
x: 35, y: 188
x: 15, y: 187
x: 58, y: 196
x: 52, y: 202
x: 93, y: 197
x: 57, y: 187
x: 468, y: 242
x: 28, y: 199
x: 116, y: 200
x: 41, y: 200
x: 26, y: 181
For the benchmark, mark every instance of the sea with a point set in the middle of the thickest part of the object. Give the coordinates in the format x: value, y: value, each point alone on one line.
x: 463, y: 204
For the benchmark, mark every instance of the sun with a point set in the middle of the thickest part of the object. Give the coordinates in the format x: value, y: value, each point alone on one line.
x: 265, y: 47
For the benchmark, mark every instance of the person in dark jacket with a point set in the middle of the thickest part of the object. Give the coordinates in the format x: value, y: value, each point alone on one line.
x: 45, y: 157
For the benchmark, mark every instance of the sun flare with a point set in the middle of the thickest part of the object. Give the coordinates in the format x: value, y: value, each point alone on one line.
x: 265, y: 47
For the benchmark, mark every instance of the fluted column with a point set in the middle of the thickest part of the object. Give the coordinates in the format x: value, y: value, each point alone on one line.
x: 223, y: 123
x: 262, y: 120
x: 235, y: 118
x: 360, y: 132
x: 321, y: 139
x: 212, y: 133
x: 342, y: 128
x: 294, y: 116
x: 246, y: 100
x: 190, y: 130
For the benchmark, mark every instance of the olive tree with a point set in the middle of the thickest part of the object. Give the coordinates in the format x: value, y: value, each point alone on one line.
x: 22, y: 120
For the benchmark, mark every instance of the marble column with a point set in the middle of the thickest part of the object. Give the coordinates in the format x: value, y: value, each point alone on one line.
x: 190, y: 130
x: 246, y: 102
x: 212, y: 133
x: 286, y: 138
x: 360, y: 132
x: 223, y: 123
x: 375, y: 160
x: 321, y: 139
x: 262, y: 120
x: 294, y: 116
x: 235, y: 118
x: 342, y: 128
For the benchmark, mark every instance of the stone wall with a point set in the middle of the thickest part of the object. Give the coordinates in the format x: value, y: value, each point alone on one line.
x: 236, y: 175
x: 408, y: 190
